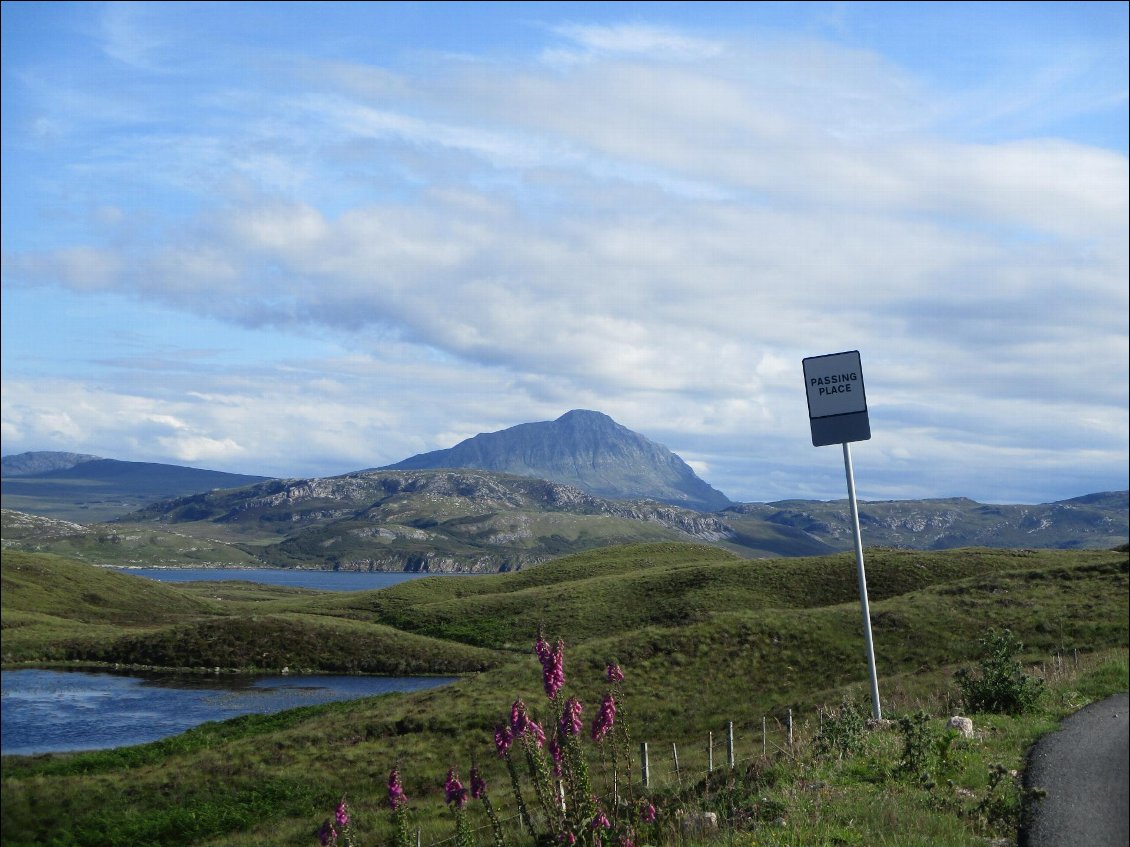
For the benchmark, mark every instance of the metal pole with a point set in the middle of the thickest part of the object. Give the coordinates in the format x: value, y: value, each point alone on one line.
x: 876, y: 709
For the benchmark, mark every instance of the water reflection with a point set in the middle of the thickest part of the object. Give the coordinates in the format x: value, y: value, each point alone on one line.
x: 47, y: 711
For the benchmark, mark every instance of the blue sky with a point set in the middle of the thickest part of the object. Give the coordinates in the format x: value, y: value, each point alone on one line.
x: 307, y: 238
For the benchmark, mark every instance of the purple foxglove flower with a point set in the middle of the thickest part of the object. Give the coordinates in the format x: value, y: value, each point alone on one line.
x: 478, y: 784
x: 552, y: 665
x: 536, y: 732
x: 503, y: 738
x: 454, y: 792
x: 542, y: 649
x: 327, y: 834
x: 518, y: 717
x: 341, y: 814
x: 600, y: 822
x: 602, y: 723
x: 647, y: 813
x: 556, y: 754
x: 571, y: 717
x: 614, y: 673
x: 396, y: 795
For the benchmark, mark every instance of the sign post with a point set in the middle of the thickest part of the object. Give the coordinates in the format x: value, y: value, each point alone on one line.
x: 837, y: 413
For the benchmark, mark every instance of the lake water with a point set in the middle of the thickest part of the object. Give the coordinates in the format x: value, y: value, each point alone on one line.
x: 50, y: 711
x: 320, y: 580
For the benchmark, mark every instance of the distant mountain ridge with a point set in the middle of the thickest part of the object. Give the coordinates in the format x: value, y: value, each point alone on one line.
x: 467, y: 519
x: 585, y: 449
x: 73, y: 486
x: 43, y: 461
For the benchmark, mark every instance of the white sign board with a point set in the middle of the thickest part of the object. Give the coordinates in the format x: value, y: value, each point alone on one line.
x: 837, y: 401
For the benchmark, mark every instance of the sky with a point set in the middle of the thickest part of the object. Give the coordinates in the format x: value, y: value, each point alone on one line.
x: 303, y: 239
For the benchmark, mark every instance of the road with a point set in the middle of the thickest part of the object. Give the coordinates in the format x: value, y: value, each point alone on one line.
x: 1083, y: 768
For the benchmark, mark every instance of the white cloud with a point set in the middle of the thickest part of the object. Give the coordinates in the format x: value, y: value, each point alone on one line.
x: 661, y: 232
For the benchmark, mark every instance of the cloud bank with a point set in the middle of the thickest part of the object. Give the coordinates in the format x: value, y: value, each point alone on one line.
x: 328, y: 261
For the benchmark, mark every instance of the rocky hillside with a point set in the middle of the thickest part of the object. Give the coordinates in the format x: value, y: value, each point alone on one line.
x: 584, y: 449
x: 432, y: 520
x: 1090, y: 522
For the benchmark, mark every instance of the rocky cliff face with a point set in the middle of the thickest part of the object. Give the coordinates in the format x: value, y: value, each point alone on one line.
x: 585, y: 449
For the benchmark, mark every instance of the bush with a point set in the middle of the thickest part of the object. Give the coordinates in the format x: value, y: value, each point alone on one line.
x: 1002, y: 687
x: 842, y: 730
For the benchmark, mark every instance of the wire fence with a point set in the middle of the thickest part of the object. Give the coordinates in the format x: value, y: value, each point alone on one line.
x: 663, y: 769
x: 669, y: 769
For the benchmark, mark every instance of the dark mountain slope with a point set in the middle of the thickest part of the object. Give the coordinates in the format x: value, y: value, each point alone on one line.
x: 42, y: 461
x: 586, y: 449
x: 103, y: 489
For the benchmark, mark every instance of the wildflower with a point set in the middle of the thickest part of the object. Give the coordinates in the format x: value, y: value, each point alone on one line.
x: 341, y: 814
x: 536, y: 732
x: 518, y: 717
x: 454, y: 792
x: 571, y: 717
x: 478, y: 784
x: 396, y: 795
x: 647, y: 813
x: 600, y: 822
x: 602, y: 723
x: 556, y: 754
x: 327, y: 834
x: 567, y: 838
x: 552, y: 665
x: 614, y: 674
x: 503, y: 738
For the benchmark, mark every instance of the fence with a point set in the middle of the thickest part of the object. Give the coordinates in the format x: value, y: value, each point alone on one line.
x: 670, y: 767
x: 660, y: 768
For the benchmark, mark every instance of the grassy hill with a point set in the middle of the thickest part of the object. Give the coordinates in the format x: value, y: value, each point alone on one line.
x: 117, y: 544
x: 704, y: 638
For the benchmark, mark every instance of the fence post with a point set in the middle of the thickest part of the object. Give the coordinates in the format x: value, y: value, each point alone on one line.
x: 790, y: 728
x: 418, y: 839
x: 675, y: 756
x: 644, y: 771
x: 730, y: 744
x: 710, y: 752
x: 764, y: 749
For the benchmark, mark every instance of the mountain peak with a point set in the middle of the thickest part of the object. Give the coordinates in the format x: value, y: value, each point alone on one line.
x: 585, y: 415
x: 586, y: 449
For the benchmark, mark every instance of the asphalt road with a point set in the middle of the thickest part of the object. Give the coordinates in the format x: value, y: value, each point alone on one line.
x: 1083, y: 768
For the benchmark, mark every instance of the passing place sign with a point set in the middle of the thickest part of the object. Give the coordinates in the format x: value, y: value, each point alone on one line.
x: 837, y: 402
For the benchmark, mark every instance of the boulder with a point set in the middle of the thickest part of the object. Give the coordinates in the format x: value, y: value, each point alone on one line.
x: 962, y: 725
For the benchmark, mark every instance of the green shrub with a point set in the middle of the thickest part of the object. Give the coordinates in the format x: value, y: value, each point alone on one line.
x: 1001, y: 687
x: 842, y: 730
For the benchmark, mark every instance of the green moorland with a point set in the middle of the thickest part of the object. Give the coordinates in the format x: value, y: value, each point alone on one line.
x: 705, y: 639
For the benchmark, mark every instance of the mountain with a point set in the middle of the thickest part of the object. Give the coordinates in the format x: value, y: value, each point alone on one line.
x: 465, y: 519
x: 30, y: 464
x: 89, y: 489
x: 423, y: 520
x: 585, y: 449
x: 1090, y: 522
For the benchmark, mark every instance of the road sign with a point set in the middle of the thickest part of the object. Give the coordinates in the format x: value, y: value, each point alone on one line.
x: 837, y: 411
x: 837, y: 401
